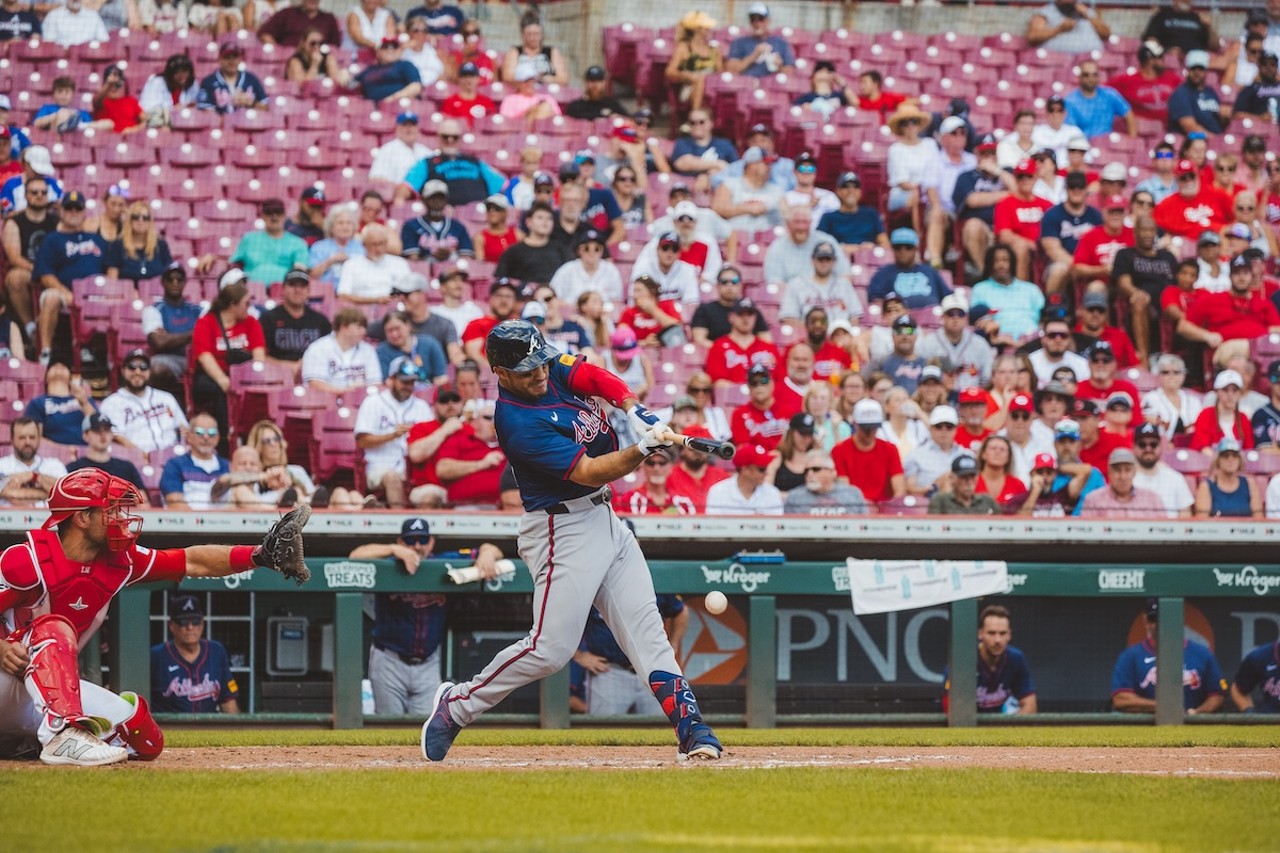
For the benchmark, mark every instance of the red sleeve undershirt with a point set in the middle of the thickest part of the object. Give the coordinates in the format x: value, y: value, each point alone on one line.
x: 588, y: 380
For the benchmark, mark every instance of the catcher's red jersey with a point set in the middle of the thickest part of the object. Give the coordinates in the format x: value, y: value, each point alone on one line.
x: 37, y: 578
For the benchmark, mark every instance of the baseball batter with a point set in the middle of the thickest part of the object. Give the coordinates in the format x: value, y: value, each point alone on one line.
x: 54, y: 592
x: 564, y: 456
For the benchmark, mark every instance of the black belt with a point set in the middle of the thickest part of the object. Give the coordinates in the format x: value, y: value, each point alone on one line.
x: 411, y: 660
x: 603, y: 496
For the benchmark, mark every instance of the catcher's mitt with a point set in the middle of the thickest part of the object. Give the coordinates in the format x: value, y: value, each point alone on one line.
x: 281, y: 548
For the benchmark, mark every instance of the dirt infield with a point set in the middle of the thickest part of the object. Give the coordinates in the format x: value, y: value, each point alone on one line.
x: 1164, y: 761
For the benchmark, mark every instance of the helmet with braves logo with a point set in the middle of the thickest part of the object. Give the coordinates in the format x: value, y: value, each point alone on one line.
x: 93, y: 488
x: 517, y: 345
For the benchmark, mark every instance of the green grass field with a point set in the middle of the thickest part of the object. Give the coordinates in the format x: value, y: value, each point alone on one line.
x: 689, y: 808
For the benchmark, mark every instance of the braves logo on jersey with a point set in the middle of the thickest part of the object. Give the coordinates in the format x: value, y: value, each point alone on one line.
x: 589, y: 423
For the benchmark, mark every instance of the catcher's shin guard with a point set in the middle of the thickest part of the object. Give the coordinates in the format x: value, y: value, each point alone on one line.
x: 677, y: 700
x: 53, y: 677
x: 140, y: 732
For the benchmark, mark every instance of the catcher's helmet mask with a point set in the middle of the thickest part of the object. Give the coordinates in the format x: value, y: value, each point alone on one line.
x: 518, y: 346
x: 93, y: 488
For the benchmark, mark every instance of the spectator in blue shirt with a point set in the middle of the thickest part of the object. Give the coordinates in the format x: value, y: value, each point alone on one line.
x: 198, y: 479
x: 760, y: 54
x: 853, y: 227
x: 1194, y: 106
x: 433, y: 236
x: 168, y: 325
x: 391, y: 78
x: 919, y: 285
x: 62, y: 114
x: 423, y: 351
x: 441, y: 19
x: 62, y: 408
x: 229, y: 88
x: 1094, y: 108
x: 18, y: 141
x: 1063, y: 226
x: 67, y: 254
x: 698, y: 153
x: 467, y: 177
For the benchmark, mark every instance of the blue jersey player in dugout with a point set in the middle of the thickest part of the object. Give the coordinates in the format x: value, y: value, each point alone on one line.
x: 565, y: 455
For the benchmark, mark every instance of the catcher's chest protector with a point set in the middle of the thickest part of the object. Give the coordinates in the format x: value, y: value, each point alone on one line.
x: 77, y: 591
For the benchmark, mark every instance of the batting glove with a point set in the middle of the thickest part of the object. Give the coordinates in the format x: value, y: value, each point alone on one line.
x: 641, y: 418
x: 652, y: 439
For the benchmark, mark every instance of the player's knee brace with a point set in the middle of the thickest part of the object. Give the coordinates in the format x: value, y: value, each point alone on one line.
x: 140, y: 731
x: 53, y: 673
x: 677, y: 700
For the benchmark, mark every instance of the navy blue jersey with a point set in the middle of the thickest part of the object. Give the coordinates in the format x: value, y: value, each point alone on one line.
x: 409, y: 623
x: 1135, y: 672
x: 1009, y: 677
x: 545, y: 438
x: 1068, y: 227
x: 1261, y: 667
x: 599, y: 640
x: 862, y: 226
x: 69, y: 256
x: 198, y: 687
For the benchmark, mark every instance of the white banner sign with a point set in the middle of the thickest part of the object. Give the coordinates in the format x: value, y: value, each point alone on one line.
x: 885, y: 586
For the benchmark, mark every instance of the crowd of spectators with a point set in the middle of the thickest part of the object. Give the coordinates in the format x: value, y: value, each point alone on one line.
x: 1010, y: 326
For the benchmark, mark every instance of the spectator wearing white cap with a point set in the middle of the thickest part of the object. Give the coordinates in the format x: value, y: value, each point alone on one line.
x: 1068, y: 26
x: 36, y: 163
x: 953, y: 161
x: 1194, y: 106
x: 957, y: 342
x: 928, y: 467
x: 747, y: 493
x: 759, y: 53
x: 1120, y: 498
x: 871, y: 464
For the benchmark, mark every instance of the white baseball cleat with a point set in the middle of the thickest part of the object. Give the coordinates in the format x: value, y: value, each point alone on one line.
x: 79, y: 748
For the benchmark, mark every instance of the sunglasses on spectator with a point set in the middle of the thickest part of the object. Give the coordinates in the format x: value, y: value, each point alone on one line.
x: 1169, y: 372
x: 68, y: 207
x: 1094, y: 309
x: 943, y: 426
x: 1164, y: 155
x: 669, y: 245
x: 955, y: 312
x: 1187, y: 178
x: 657, y: 462
x: 137, y: 365
x: 729, y: 280
x: 188, y: 621
x: 205, y: 432
x: 450, y: 137
x: 806, y: 168
x: 816, y: 468
x: 448, y: 398
x: 1221, y: 167
x: 627, y: 179
x: 139, y: 217
x: 1147, y: 445
x: 1019, y: 416
x: 1059, y: 335
x: 699, y: 389
x: 759, y: 380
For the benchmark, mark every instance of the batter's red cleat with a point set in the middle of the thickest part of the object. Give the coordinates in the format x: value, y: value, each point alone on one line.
x: 701, y: 743
x: 439, y: 731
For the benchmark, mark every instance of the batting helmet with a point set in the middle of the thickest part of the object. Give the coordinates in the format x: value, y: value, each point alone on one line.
x: 517, y: 345
x: 93, y: 488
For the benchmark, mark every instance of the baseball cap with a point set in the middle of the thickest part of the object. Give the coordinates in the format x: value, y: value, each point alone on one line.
x: 389, y: 41
x: 623, y: 339
x: 964, y: 465
x: 469, y: 69
x: 988, y: 144
x: 930, y: 373
x: 848, y: 179
x: 1118, y: 202
x: 904, y: 237
x: 435, y: 186
x: 235, y: 275
x: 271, y: 205
x: 1054, y: 101
x: 1043, y: 461
x: 534, y: 311
x: 1094, y: 299
x: 1085, y: 408
x: 1227, y: 444
x: 1020, y: 403
x: 1147, y: 430
x: 1066, y: 428
x: 757, y: 10
x: 1100, y: 349
x: 626, y: 133
x: 1151, y: 609
x: 568, y: 171
x: 542, y: 179
x: 1254, y: 142
x: 314, y: 196
x: 38, y: 158
x: 95, y: 421
x: 695, y: 430
x: 803, y: 423
x: 752, y: 454
x: 174, y: 268
x: 415, y: 531
x: 686, y: 402
x: 230, y: 48
x: 1209, y: 238
x: 297, y: 276
x: 1120, y: 398
x: 1240, y: 231
x: 745, y: 306
x: 584, y: 155
x: 840, y: 325
x: 684, y: 210
x: 1077, y: 143
x: 951, y: 124
x: 505, y: 283
x: 1114, y: 172
x: 402, y: 367
x: 497, y: 200
x: 1026, y: 166
x: 679, y: 187
x: 416, y: 282
x: 756, y: 154
x: 824, y: 250
x: 943, y: 415
x: 758, y: 370
x: 73, y: 200
x: 407, y: 117
x: 955, y: 302
x: 448, y: 393
x: 903, y: 323
x: 973, y: 396
x: 1196, y: 59
x: 1055, y: 388
x: 595, y: 72
x: 1227, y: 378
x: 185, y: 606
x: 868, y: 413
x: 1239, y: 262
x: 1185, y: 167
x: 1121, y: 456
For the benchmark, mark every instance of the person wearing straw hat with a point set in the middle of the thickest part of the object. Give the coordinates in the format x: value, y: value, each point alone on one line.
x: 913, y: 159
x: 694, y: 57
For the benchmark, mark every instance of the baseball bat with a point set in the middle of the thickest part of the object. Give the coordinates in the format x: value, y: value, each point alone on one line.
x: 723, y: 449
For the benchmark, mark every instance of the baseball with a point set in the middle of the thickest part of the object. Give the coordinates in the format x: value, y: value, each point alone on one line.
x: 715, y: 602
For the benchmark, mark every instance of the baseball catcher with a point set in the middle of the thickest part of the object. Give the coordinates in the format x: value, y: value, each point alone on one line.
x: 55, y: 588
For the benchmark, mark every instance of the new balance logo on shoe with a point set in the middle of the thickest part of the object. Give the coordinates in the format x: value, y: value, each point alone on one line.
x: 73, y: 750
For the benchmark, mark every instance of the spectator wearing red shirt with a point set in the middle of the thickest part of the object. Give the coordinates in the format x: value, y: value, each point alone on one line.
x: 1118, y: 416
x: 114, y: 103
x: 995, y: 471
x: 1093, y: 328
x: 1096, y: 443
x: 759, y: 420
x: 1239, y: 314
x: 829, y: 359
x: 692, y: 476
x: 872, y: 97
x: 425, y: 438
x: 470, y: 462
x: 1148, y: 88
x: 794, y: 382
x: 503, y: 305
x: 1228, y: 388
x: 1095, y: 253
x: 498, y: 234
x: 872, y: 464
x: 974, y: 405
x: 650, y: 317
x: 1102, y: 381
x: 1018, y: 215
x: 1193, y: 209
x: 655, y: 495
x: 732, y: 355
x: 225, y: 334
x: 468, y: 103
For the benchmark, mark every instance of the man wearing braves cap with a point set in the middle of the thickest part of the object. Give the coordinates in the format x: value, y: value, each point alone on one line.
x: 68, y: 254
x: 189, y: 673
x: 58, y: 585
x: 1194, y: 208
x: 232, y: 88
